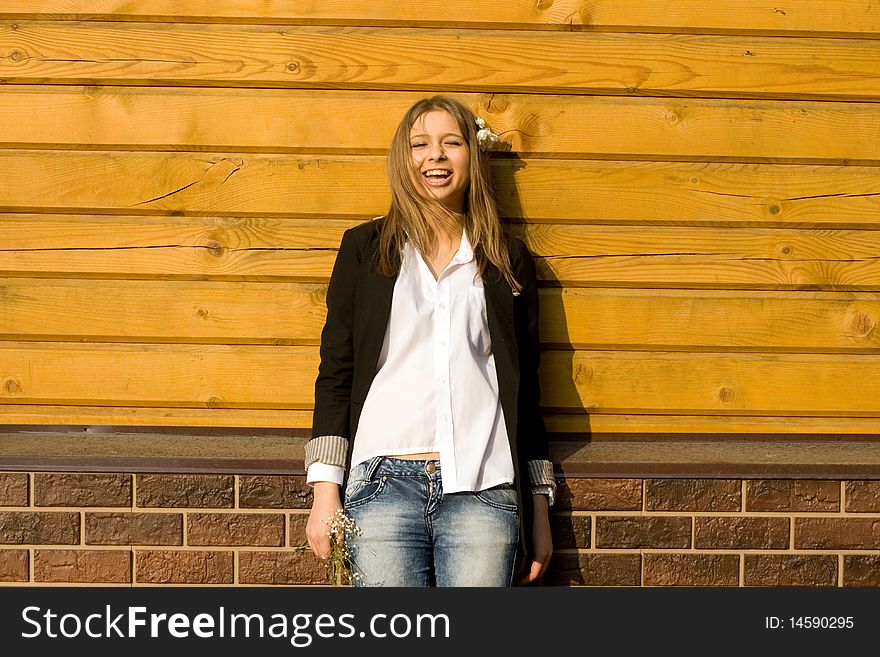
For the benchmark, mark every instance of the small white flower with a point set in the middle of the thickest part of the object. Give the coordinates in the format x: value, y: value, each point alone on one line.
x: 486, y: 139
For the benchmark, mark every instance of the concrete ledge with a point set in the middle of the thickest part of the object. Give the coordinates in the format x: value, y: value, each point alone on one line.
x: 273, y: 451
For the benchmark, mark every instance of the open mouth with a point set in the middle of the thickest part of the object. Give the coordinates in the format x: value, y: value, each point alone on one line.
x: 437, y: 176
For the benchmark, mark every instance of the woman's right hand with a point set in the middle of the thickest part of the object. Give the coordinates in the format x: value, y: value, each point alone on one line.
x: 325, y: 503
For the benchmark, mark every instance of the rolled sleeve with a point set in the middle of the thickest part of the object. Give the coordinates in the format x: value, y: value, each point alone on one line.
x: 542, y: 480
x: 329, y: 450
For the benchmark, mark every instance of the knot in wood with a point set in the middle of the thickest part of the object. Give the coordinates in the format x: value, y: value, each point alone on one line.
x: 293, y: 67
x: 215, y: 248
x: 214, y: 402
x: 726, y: 394
x: 583, y: 374
x: 202, y: 312
x: 859, y: 324
x: 16, y: 55
x: 774, y: 209
x: 12, y: 386
x: 785, y: 250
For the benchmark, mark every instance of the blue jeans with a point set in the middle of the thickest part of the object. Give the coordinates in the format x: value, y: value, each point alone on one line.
x: 411, y: 534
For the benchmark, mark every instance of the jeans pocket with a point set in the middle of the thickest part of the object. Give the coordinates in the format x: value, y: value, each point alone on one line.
x: 499, y: 497
x: 363, y: 483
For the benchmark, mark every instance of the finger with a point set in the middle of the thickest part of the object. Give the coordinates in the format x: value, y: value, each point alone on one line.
x: 532, y: 574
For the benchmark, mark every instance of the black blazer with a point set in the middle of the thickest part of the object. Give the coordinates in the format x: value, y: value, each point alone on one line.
x: 358, y: 310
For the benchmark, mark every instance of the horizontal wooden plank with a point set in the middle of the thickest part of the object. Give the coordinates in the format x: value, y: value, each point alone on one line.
x: 162, y: 311
x: 264, y: 249
x: 605, y: 426
x: 293, y: 314
x: 599, y: 426
x: 158, y: 375
x: 61, y: 414
x: 568, y: 255
x: 223, y: 248
x: 359, y: 122
x: 711, y: 383
x: 280, y: 377
x: 844, y: 16
x: 705, y: 257
x: 545, y: 190
x: 432, y: 60
x: 712, y: 320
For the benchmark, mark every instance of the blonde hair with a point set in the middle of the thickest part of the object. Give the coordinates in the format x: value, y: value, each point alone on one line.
x: 416, y: 215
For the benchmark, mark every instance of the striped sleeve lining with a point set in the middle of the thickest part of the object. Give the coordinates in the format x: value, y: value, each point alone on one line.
x: 541, y: 479
x: 330, y: 450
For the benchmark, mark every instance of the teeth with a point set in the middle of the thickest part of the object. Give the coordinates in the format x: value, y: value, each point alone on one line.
x: 438, y: 172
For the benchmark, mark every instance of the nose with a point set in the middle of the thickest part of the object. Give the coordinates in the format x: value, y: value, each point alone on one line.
x: 436, y: 151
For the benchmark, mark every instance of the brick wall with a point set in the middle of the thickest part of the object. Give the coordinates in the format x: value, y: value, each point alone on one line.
x: 716, y: 532
x: 155, y: 529
x: 242, y: 529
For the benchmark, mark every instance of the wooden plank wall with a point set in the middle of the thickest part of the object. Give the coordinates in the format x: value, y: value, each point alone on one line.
x: 698, y: 180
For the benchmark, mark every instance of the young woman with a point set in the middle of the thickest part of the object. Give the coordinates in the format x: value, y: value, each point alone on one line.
x: 427, y: 392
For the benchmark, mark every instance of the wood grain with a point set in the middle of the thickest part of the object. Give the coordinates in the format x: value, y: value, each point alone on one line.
x: 598, y: 426
x: 362, y: 122
x: 705, y: 257
x: 244, y: 376
x: 845, y: 16
x: 218, y: 312
x: 266, y: 249
x: 543, y: 190
x: 442, y: 60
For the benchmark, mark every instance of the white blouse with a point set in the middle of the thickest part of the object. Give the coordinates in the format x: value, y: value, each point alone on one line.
x: 435, y: 388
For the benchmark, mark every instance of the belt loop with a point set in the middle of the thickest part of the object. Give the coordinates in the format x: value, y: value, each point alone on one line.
x: 373, y: 466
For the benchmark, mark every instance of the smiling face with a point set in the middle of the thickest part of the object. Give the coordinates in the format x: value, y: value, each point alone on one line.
x: 441, y: 157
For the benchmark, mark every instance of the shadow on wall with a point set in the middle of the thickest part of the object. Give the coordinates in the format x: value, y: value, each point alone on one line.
x: 565, y: 567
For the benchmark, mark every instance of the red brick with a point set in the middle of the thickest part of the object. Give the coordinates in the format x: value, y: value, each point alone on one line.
x: 792, y: 495
x: 643, y: 532
x: 863, y: 496
x: 43, y: 528
x: 257, y: 529
x: 66, y: 489
x: 111, y: 566
x: 568, y: 569
x: 837, y: 533
x: 289, y: 567
x: 691, y: 569
x: 113, y: 528
x: 184, y: 567
x: 693, y: 495
x: 861, y: 570
x: 274, y: 492
x: 13, y: 565
x: 186, y: 491
x: 570, y: 531
x: 741, y: 533
x: 599, y: 494
x: 790, y: 570
x: 13, y: 489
